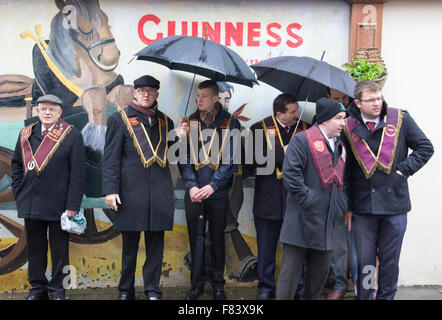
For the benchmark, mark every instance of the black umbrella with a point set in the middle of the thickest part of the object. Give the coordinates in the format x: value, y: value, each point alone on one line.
x: 199, y: 56
x: 305, y: 78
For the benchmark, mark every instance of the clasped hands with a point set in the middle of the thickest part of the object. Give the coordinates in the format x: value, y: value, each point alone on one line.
x: 198, y: 194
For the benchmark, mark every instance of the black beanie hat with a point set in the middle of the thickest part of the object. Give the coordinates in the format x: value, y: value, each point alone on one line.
x: 147, y: 81
x: 326, y: 109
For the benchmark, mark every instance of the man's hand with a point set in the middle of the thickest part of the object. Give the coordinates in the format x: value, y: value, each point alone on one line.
x: 182, y: 129
x: 205, y: 192
x: 192, y: 193
x: 285, y: 149
x: 112, y: 199
x: 71, y: 213
x: 347, y: 219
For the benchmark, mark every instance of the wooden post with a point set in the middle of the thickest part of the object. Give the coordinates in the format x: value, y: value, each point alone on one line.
x: 365, y: 25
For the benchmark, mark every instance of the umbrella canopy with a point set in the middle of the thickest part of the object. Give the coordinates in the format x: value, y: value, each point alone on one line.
x: 303, y: 77
x: 200, y: 56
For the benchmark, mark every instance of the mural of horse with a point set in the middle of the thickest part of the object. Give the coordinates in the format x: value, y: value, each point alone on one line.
x: 77, y: 64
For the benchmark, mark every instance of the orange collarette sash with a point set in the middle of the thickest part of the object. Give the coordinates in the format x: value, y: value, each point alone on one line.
x: 210, y: 159
x: 143, y: 144
x: 387, y: 148
x: 271, y: 128
x: 322, y: 159
x: 47, y: 148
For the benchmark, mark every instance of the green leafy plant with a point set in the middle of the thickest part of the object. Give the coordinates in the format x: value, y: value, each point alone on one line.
x: 361, y: 69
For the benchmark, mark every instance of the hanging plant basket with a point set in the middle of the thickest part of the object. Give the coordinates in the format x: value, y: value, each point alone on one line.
x: 367, y: 64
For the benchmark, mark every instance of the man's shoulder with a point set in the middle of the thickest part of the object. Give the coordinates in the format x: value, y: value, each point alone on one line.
x: 258, y: 124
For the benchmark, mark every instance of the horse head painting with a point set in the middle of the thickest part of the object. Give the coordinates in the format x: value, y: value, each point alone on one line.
x: 77, y: 64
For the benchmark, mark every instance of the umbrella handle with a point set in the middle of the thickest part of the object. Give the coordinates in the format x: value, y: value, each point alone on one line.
x: 190, y: 92
x: 308, y: 95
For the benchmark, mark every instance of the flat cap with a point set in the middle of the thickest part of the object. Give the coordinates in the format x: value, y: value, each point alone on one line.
x: 50, y: 98
x: 147, y: 81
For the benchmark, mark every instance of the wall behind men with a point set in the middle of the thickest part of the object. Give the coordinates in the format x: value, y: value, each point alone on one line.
x: 412, y: 55
x: 269, y: 29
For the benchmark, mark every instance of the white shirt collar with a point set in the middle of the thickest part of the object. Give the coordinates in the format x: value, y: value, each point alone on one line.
x: 282, y: 125
x: 331, y: 141
x: 374, y: 120
x: 43, y: 128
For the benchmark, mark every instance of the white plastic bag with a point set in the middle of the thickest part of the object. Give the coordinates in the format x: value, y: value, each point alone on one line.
x: 75, y: 224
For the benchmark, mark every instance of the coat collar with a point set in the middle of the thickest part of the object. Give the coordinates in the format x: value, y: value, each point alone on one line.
x: 131, y: 112
x: 220, y: 117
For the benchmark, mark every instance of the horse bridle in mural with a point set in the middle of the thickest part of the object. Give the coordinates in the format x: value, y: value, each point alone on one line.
x: 77, y: 35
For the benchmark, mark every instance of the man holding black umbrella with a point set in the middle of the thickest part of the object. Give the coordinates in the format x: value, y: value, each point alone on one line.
x: 207, y: 182
x: 270, y: 193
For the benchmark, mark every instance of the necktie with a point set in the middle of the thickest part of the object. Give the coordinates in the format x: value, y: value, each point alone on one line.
x: 45, y: 132
x: 371, y: 125
x: 287, y: 129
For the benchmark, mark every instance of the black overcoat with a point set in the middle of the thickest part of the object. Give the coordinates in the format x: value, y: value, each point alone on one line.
x: 386, y: 193
x: 270, y: 193
x: 61, y: 184
x: 312, y: 212
x: 146, y: 193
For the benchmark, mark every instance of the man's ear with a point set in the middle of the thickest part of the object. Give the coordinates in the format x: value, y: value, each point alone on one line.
x: 357, y: 103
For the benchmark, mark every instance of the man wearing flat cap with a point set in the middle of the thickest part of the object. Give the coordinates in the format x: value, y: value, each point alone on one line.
x: 48, y: 178
x: 138, y: 184
x: 313, y: 169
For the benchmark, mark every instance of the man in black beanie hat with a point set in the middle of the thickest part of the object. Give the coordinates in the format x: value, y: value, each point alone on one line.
x: 138, y: 184
x: 314, y: 176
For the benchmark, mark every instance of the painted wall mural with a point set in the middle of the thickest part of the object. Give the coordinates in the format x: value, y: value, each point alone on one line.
x: 68, y: 48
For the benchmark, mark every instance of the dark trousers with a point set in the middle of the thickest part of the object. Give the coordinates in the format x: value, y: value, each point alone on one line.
x: 154, y: 242
x: 381, y: 236
x: 317, y: 265
x: 267, y: 235
x: 214, y: 211
x: 37, y: 242
x: 338, y: 265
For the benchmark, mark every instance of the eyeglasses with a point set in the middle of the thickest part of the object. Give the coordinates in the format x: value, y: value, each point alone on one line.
x: 373, y: 100
x: 51, y: 110
x: 150, y: 92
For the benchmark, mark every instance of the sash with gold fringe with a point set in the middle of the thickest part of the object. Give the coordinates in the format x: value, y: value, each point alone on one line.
x: 195, y: 131
x: 142, y: 143
x: 47, y: 148
x: 271, y: 128
x: 387, y: 149
x: 322, y: 159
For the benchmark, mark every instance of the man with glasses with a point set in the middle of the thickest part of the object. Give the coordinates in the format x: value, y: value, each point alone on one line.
x: 138, y: 184
x: 48, y: 178
x: 378, y: 166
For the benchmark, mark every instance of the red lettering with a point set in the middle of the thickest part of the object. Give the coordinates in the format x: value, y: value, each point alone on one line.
x: 277, y: 41
x: 294, y: 35
x: 142, y: 22
x: 194, y: 28
x: 210, y: 33
x: 184, y: 28
x: 254, y: 30
x: 234, y: 33
x: 171, y: 28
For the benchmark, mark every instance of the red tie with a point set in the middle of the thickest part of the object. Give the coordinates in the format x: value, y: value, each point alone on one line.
x: 45, y: 132
x: 371, y: 125
x: 287, y: 129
